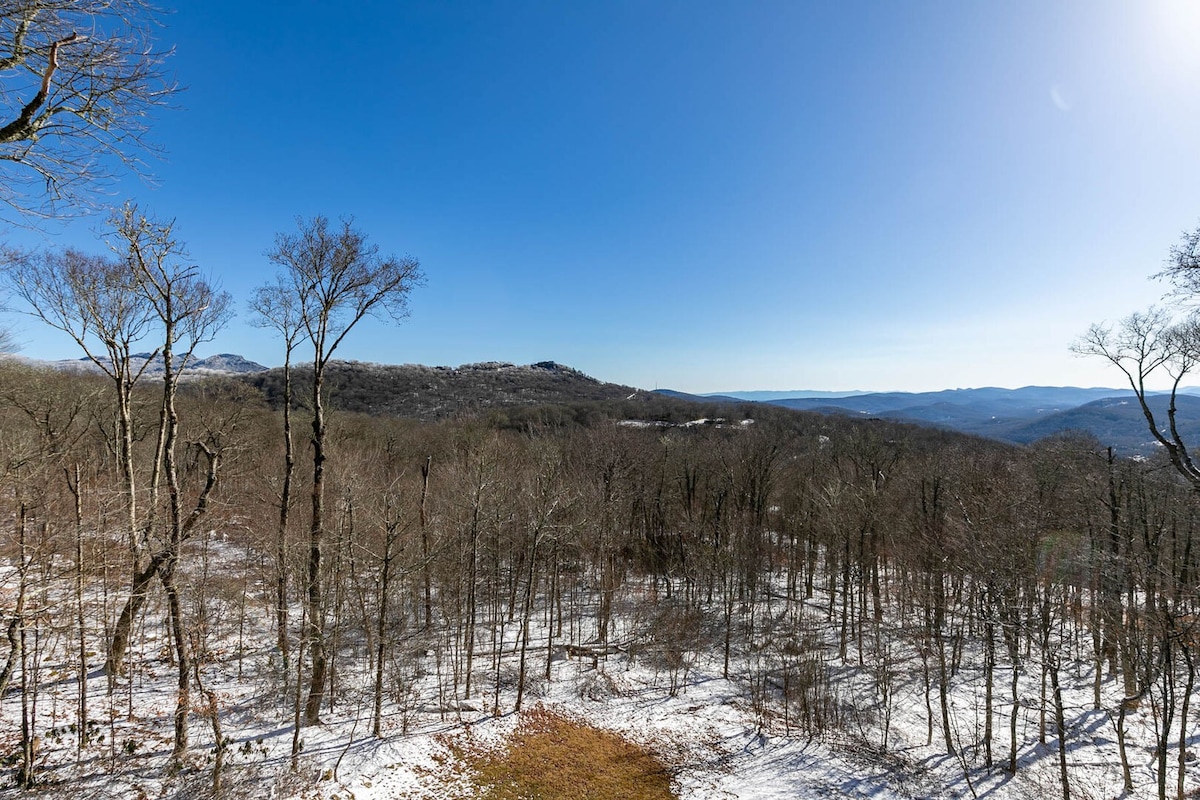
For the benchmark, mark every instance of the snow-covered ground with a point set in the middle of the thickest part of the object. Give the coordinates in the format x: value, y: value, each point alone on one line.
x: 717, y: 742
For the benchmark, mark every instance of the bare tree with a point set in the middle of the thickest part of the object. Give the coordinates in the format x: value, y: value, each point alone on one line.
x: 275, y: 306
x: 95, y: 301
x: 79, y: 80
x: 109, y: 306
x: 337, y: 278
x: 189, y: 311
x: 1145, y: 345
x: 1156, y: 342
x: 1183, y: 266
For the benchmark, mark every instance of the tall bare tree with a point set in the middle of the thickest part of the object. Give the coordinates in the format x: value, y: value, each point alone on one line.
x: 95, y: 301
x: 276, y: 306
x: 189, y: 311
x: 1144, y: 346
x: 1153, y: 343
x: 111, y: 307
x: 79, y: 82
x: 337, y: 278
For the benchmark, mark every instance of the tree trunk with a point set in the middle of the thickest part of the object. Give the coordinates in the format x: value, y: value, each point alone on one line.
x: 989, y: 667
x: 1186, y: 649
x: 385, y: 576
x: 472, y: 595
x: 426, y: 567
x: 285, y: 505
x: 175, y: 543
x: 526, y: 613
x: 115, y: 663
x: 315, y: 633
x: 939, y: 643
x: 76, y: 492
x: 25, y: 772
x: 1060, y: 726
x: 129, y: 612
x: 183, y: 663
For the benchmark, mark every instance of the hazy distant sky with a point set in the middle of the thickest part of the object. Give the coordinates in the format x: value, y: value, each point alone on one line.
x: 696, y: 195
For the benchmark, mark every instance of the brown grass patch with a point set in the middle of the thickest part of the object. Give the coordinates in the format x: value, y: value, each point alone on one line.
x: 551, y: 757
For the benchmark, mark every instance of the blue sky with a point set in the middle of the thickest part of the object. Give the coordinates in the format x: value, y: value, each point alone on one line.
x: 695, y: 195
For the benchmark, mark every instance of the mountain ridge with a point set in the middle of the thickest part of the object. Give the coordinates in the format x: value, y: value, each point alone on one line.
x: 151, y: 364
x: 424, y: 392
x: 1018, y: 416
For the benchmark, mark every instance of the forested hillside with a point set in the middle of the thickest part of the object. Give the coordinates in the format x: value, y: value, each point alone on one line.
x: 1028, y: 612
x: 421, y: 392
x: 339, y: 580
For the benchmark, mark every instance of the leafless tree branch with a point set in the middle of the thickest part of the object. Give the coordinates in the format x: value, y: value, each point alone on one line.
x: 79, y: 83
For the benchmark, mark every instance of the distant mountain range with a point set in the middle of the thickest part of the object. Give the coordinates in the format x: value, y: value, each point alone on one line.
x: 768, y: 396
x: 1020, y: 416
x: 220, y: 364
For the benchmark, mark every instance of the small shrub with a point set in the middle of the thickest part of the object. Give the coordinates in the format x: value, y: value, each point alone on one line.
x: 551, y: 757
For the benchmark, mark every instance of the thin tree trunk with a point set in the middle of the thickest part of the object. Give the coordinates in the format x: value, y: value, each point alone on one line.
x: 214, y: 719
x: 939, y: 642
x: 183, y: 664
x: 167, y: 573
x: 1186, y: 649
x: 298, y: 705
x: 82, y: 712
x: 526, y: 613
x: 1060, y: 726
x: 385, y: 575
x: 1012, y: 722
x: 123, y: 629
x: 115, y: 663
x: 25, y: 774
x: 285, y: 505
x: 472, y: 595
x: 427, y: 569
x: 1012, y: 639
x: 989, y: 644
x: 315, y: 633
x: 1168, y: 710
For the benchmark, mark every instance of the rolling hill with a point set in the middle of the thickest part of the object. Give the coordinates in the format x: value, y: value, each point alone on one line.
x: 1019, y: 416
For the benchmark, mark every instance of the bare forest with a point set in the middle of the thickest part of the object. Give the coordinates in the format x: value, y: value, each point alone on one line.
x: 849, y: 578
x: 312, y: 584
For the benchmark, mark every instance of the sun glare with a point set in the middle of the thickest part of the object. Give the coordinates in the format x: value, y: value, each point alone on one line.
x: 1174, y: 33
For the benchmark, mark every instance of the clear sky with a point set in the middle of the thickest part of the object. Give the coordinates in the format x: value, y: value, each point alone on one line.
x: 696, y: 195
